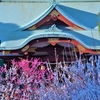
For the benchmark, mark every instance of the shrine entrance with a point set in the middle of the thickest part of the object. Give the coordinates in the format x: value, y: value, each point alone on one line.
x: 52, y: 49
x: 55, y: 49
x: 61, y: 51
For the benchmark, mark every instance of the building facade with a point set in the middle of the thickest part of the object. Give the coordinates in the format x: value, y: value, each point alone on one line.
x: 46, y: 28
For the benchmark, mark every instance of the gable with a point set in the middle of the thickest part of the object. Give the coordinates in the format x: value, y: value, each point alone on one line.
x: 53, y: 17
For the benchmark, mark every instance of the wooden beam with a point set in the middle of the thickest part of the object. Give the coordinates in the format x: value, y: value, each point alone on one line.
x: 5, y: 52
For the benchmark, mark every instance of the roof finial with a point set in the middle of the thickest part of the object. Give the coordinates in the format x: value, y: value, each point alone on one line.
x: 54, y: 1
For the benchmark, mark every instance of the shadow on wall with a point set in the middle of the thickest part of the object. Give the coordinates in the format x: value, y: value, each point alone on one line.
x: 5, y: 29
x: 8, y: 31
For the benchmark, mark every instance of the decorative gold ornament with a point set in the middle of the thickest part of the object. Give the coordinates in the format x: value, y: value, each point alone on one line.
x: 81, y: 48
x: 98, y: 51
x: 32, y: 27
x: 75, y: 49
x: 25, y: 48
x: 53, y: 41
x: 76, y: 27
x: 5, y: 52
x: 54, y: 13
x: 31, y: 49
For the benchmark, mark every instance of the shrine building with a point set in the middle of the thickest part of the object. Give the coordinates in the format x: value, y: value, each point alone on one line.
x: 46, y: 28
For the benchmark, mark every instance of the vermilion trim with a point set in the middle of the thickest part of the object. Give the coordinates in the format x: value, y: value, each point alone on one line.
x: 48, y: 17
x: 62, y: 18
x: 80, y: 47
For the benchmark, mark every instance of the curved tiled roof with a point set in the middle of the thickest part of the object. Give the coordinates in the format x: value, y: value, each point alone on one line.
x: 62, y: 10
x: 15, y: 38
